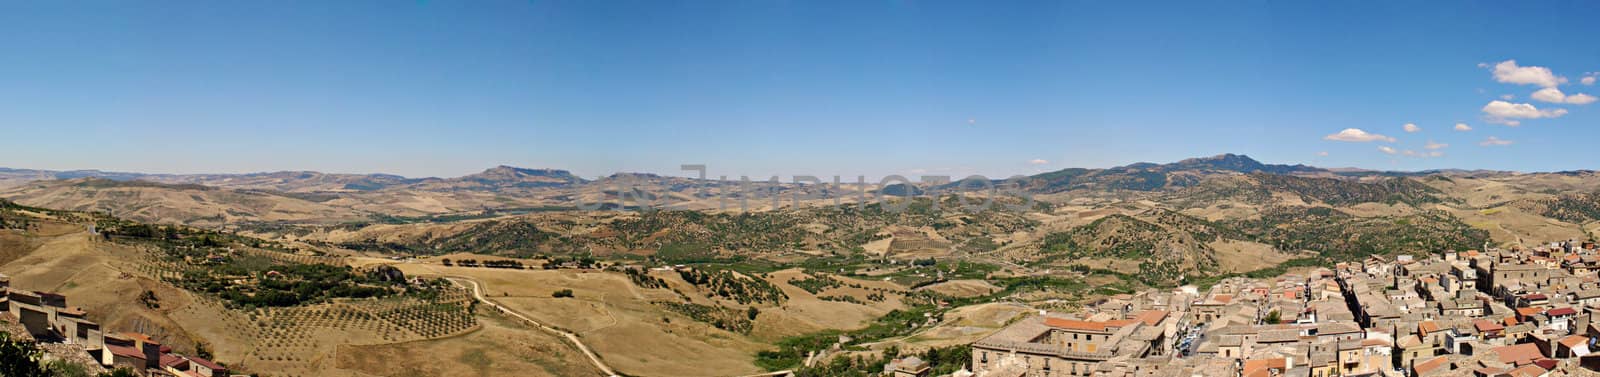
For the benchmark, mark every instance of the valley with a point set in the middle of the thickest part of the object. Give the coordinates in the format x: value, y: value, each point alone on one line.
x: 302, y: 275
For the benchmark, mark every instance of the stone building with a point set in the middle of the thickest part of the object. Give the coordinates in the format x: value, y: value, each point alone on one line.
x: 1051, y: 345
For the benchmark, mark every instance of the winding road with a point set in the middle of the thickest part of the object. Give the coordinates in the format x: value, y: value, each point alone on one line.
x: 594, y: 359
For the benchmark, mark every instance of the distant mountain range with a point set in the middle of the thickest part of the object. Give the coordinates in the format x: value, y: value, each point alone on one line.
x: 493, y: 179
x: 1143, y: 176
x: 296, y: 196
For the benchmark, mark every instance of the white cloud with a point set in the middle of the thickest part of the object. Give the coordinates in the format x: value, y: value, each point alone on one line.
x: 1508, y: 72
x: 971, y: 121
x: 1038, y: 161
x: 1463, y: 127
x: 1412, y: 128
x: 1588, y: 78
x: 1508, y: 97
x: 1432, y: 145
x: 1322, y: 154
x: 1507, y: 113
x: 1506, y: 122
x: 1387, y: 149
x: 1356, y: 135
x: 1553, y: 95
x: 1495, y: 141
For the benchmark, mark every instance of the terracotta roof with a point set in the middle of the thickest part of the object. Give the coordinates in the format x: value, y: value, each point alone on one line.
x: 1536, y: 296
x: 1574, y: 340
x: 1261, y: 367
x: 1151, y: 317
x: 1529, y: 311
x: 1409, y: 341
x: 140, y: 337
x: 125, y: 351
x: 1430, y: 365
x: 1561, y: 311
x: 1518, y: 354
x: 1484, y: 325
x: 1427, y: 327
x: 211, y: 365
x: 170, y: 360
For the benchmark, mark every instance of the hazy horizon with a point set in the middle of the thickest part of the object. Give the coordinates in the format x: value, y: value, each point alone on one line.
x: 713, y: 173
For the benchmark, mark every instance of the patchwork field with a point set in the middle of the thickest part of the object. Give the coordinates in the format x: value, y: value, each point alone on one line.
x: 632, y: 331
x: 502, y: 347
x: 615, y: 318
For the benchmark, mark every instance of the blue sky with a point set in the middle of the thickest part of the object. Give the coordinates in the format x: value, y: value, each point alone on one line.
x: 437, y: 88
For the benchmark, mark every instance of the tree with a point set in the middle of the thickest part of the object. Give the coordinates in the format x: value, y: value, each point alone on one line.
x: 201, y: 351
x: 752, y: 313
x: 120, y: 372
x: 63, y: 368
x: 1273, y: 317
x: 20, y: 358
x: 562, y: 293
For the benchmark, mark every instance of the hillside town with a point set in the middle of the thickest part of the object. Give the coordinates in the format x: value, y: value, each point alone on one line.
x: 65, y: 333
x: 1521, y: 312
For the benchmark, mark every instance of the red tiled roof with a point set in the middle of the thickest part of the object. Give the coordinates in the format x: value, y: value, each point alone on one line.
x: 170, y: 360
x: 207, y: 363
x: 1484, y: 325
x: 125, y: 351
x: 140, y: 337
x: 1263, y: 367
x: 1151, y: 317
x: 1561, y: 311
x: 1518, y: 354
x: 1574, y: 340
x: 1430, y: 365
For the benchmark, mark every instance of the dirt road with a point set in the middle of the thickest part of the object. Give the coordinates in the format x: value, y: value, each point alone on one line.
x: 477, y: 292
